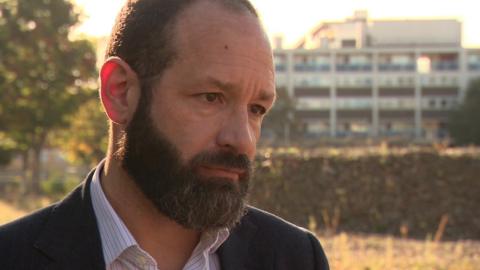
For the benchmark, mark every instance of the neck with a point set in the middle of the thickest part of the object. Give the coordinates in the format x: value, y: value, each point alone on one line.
x: 166, y: 241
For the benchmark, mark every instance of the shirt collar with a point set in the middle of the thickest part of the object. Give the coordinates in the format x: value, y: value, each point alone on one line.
x: 116, y: 237
x: 114, y: 234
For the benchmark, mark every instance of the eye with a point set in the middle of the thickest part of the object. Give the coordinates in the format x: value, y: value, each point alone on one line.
x: 258, y: 110
x: 211, y: 97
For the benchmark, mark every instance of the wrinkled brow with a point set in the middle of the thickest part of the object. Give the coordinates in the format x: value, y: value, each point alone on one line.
x: 264, y: 95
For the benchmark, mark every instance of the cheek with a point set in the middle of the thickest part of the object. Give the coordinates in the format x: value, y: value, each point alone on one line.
x: 189, y: 132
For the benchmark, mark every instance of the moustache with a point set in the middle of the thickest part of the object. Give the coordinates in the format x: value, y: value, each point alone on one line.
x: 224, y: 159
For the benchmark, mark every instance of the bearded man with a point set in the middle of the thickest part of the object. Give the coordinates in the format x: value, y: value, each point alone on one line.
x: 185, y: 85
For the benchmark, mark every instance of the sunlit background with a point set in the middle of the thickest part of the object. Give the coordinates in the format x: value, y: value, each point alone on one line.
x: 293, y: 19
x: 373, y: 142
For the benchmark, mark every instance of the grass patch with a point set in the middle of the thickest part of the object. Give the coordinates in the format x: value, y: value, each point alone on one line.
x: 370, y: 252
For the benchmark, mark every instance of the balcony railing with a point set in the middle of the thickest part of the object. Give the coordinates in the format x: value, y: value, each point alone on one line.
x: 439, y: 66
x: 280, y: 68
x: 396, y: 67
x: 474, y: 66
x: 311, y: 67
x: 407, y: 132
x: 445, y: 66
x: 354, y: 67
x: 354, y: 134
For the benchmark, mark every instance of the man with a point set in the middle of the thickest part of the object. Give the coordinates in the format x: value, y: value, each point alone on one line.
x: 186, y: 84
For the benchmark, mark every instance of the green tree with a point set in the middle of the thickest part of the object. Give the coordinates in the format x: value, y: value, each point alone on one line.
x: 464, y: 122
x: 280, y: 120
x: 44, y: 74
x: 6, y: 149
x: 85, y: 141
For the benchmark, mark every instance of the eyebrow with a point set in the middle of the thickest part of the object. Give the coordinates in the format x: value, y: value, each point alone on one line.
x: 229, y: 87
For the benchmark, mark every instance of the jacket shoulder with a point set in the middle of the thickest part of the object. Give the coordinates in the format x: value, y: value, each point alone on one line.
x: 275, y: 227
x: 17, y: 239
x: 291, y: 244
x: 25, y: 227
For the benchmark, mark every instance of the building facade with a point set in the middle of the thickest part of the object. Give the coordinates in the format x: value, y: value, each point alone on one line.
x: 361, y: 78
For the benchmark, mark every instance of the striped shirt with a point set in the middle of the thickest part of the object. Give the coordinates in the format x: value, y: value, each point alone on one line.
x: 122, y: 252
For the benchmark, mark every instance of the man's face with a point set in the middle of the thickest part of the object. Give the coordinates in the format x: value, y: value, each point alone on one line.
x: 190, y: 150
x: 214, y: 95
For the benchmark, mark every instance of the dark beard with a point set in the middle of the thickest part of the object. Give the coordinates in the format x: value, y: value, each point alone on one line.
x: 176, y: 190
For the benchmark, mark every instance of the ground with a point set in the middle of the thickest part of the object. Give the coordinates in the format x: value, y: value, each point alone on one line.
x: 372, y: 252
x: 367, y: 252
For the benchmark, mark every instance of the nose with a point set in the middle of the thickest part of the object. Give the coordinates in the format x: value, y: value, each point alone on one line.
x: 237, y: 134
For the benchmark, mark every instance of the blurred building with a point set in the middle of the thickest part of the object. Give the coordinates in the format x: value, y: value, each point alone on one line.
x: 377, y: 78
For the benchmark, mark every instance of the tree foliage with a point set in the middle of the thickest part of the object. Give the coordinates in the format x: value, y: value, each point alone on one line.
x: 280, y: 120
x: 86, y: 139
x: 6, y: 149
x: 44, y: 74
x: 464, y: 123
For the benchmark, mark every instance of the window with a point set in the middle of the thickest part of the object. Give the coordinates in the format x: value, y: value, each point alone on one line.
x: 444, y: 103
x: 349, y: 43
x: 388, y: 126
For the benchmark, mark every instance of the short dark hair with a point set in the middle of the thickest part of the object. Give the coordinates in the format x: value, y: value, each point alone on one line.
x: 142, y: 34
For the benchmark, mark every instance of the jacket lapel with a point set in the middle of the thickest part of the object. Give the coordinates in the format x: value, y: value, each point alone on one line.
x: 70, y: 236
x: 240, y: 252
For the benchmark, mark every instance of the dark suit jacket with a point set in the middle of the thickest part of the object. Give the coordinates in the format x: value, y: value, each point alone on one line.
x: 65, y: 236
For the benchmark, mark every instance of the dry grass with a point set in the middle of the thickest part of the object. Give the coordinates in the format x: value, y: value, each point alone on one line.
x: 363, y: 252
x: 360, y: 252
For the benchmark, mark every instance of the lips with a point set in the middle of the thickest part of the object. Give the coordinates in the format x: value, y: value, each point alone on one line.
x: 221, y: 172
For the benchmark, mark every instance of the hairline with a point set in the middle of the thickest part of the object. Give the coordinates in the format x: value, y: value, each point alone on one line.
x: 169, y: 33
x: 171, y: 30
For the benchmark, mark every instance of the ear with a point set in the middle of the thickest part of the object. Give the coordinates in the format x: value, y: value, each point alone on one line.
x: 119, y: 90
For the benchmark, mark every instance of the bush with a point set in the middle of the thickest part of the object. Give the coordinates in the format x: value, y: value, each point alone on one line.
x: 57, y: 186
x: 464, y: 124
x: 379, y: 193
x: 6, y: 156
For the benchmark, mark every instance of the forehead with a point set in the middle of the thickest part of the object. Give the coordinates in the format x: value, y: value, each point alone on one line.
x: 207, y: 29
